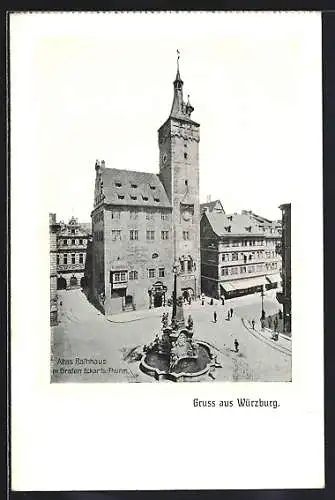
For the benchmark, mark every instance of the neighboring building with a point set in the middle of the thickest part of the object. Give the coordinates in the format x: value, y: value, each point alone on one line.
x: 53, y: 228
x: 238, y: 255
x: 143, y: 222
x: 212, y: 206
x: 284, y: 297
x: 72, y: 241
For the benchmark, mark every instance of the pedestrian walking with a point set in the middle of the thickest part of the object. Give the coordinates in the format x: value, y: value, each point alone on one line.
x: 212, y: 301
x: 215, y: 316
x: 202, y: 302
x: 253, y: 324
x: 270, y: 322
x: 236, y: 344
x: 228, y: 316
x: 231, y: 312
x: 222, y: 301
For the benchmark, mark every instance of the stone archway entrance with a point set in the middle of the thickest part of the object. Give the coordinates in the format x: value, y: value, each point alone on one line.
x: 83, y: 282
x: 157, y: 294
x: 61, y: 283
x: 73, y: 281
x: 187, y: 293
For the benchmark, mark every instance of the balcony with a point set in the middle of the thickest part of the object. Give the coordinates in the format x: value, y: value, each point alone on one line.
x: 71, y: 267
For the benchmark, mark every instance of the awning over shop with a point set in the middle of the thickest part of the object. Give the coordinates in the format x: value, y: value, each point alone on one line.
x: 273, y: 278
x: 229, y: 286
x: 248, y: 283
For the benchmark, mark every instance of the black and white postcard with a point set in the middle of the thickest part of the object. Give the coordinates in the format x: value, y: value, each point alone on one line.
x: 166, y: 186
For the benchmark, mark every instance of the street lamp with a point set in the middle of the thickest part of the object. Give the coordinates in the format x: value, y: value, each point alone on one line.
x: 263, y: 312
x: 176, y: 271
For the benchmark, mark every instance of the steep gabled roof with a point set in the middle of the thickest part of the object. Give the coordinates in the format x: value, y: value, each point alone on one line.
x: 129, y: 187
x: 210, y: 206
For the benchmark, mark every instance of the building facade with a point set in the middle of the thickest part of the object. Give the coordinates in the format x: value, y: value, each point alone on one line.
x: 239, y: 256
x: 145, y: 223
x: 53, y: 229
x: 72, y: 240
x: 284, y: 297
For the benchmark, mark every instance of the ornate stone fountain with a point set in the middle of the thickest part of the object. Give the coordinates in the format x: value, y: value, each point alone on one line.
x: 174, y: 354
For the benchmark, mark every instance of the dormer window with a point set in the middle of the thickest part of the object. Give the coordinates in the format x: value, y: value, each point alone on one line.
x: 134, y: 186
x: 118, y: 184
x: 230, y: 218
x: 228, y: 229
x: 145, y: 198
x: 156, y: 199
x: 152, y: 187
x: 120, y: 196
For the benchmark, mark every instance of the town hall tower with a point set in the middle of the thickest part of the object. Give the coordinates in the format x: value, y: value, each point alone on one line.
x: 179, y: 172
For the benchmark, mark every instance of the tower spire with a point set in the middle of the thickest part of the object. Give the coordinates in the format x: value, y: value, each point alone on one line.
x: 178, y: 57
x: 178, y: 103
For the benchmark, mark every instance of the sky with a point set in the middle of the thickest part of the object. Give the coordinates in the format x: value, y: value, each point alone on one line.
x: 101, y: 86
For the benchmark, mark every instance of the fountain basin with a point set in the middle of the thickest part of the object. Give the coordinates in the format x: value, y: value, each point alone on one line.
x: 187, y: 369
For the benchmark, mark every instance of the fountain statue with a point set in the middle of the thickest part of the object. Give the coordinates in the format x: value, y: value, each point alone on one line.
x: 174, y: 354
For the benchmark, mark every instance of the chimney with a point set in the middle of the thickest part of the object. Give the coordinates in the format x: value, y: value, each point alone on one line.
x: 208, y: 198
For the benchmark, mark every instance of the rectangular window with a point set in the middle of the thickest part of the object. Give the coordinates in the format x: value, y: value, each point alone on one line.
x: 165, y: 235
x: 164, y: 216
x: 189, y: 266
x: 73, y: 231
x: 57, y: 260
x: 186, y: 235
x: 224, y: 271
x: 150, y: 235
x: 182, y: 266
x: 116, y: 234
x: 133, y: 234
x: 81, y: 258
x: 80, y: 242
x: 243, y: 269
x: 234, y: 270
x: 151, y: 273
x: 133, y: 275
x: 133, y: 213
x: 120, y: 277
x: 251, y: 269
x: 161, y: 272
x: 65, y: 242
x: 73, y: 258
x: 234, y: 256
x: 73, y: 242
x: 65, y: 258
x: 115, y: 214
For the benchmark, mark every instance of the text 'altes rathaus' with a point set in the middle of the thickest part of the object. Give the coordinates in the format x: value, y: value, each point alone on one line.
x: 143, y: 223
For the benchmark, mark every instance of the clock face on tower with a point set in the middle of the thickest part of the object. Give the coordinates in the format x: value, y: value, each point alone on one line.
x: 186, y: 215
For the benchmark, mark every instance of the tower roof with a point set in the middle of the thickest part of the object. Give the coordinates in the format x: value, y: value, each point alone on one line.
x: 179, y: 108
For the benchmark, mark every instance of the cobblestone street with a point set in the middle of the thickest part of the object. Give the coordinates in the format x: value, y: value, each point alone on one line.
x: 84, y: 333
